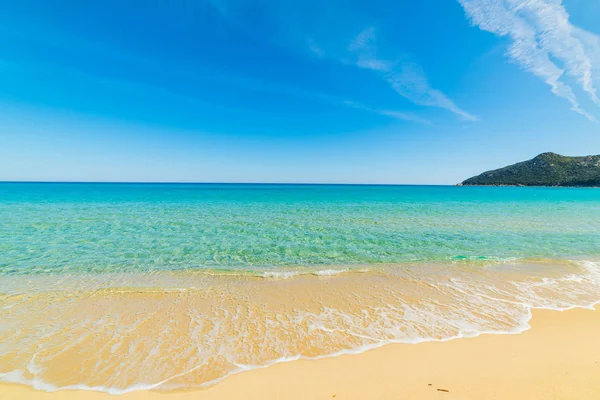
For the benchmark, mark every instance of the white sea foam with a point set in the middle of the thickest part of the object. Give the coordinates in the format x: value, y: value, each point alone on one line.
x: 330, y: 272
x: 280, y: 274
x: 321, y: 272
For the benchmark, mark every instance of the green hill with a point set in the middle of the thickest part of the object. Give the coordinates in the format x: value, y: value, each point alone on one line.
x: 547, y: 169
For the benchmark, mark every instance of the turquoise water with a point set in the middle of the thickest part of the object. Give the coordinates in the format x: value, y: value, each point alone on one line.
x: 54, y: 228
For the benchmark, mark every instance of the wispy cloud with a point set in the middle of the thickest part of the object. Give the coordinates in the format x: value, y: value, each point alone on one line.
x: 403, y: 116
x: 314, y: 48
x: 591, y: 44
x: 544, y: 42
x: 406, y: 78
x: 399, y: 115
x: 410, y: 81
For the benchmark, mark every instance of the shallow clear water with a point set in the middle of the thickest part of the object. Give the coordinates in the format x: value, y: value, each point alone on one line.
x: 57, y: 228
x: 120, y: 287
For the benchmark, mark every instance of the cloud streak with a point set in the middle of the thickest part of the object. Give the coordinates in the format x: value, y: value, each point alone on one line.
x: 407, y: 78
x: 544, y: 42
x: 399, y: 115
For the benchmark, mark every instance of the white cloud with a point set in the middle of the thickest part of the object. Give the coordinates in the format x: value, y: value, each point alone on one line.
x: 363, y: 41
x: 544, y: 43
x: 404, y: 117
x: 591, y: 44
x: 410, y: 81
x: 406, y: 78
x: 315, y: 48
x: 374, y: 64
x: 399, y: 115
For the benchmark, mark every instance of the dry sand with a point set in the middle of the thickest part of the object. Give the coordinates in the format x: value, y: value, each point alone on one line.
x: 559, y: 358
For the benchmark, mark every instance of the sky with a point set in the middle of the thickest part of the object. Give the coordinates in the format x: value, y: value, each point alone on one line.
x: 352, y: 91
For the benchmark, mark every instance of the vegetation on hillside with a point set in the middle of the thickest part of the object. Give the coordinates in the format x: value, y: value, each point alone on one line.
x: 547, y: 169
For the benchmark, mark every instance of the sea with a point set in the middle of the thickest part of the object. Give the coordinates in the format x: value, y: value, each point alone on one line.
x: 118, y: 287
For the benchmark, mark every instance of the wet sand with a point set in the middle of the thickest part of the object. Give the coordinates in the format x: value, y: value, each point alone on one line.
x: 559, y: 358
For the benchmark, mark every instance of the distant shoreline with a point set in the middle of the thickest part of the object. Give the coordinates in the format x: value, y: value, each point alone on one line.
x: 532, y: 186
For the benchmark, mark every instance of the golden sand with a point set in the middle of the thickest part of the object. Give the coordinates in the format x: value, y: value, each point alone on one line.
x: 559, y: 358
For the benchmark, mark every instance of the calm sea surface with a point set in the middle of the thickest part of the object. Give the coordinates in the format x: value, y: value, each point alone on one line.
x: 59, y: 228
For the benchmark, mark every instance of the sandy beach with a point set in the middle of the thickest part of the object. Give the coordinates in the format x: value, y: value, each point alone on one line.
x: 559, y: 358
x: 300, y: 200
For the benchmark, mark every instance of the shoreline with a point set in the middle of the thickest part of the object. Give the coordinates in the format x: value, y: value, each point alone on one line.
x: 559, y: 357
x: 91, y: 339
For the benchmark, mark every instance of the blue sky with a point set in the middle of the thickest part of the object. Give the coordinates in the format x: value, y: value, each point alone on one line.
x: 379, y: 91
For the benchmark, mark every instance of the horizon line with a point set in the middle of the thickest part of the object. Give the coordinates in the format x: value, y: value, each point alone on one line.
x: 227, y: 183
